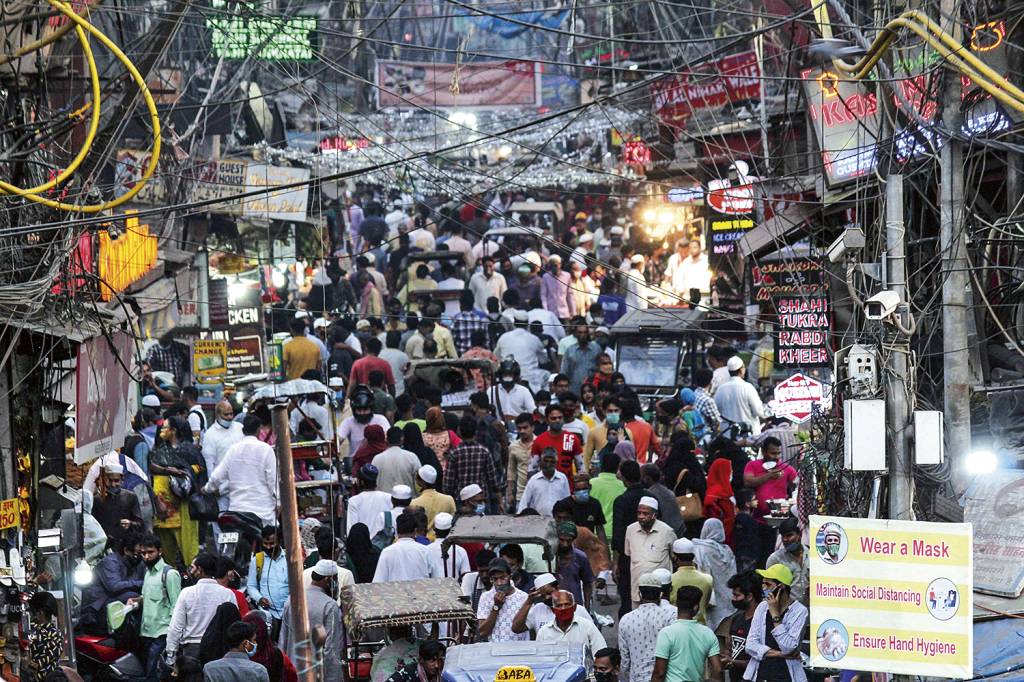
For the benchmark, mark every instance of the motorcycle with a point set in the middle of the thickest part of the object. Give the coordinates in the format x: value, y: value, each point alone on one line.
x: 100, y: 660
x: 239, y: 536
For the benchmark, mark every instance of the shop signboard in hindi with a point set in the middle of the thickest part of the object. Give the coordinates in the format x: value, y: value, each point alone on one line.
x: 245, y: 356
x: 101, y: 395
x: 802, y: 331
x: 10, y: 513
x: 892, y: 596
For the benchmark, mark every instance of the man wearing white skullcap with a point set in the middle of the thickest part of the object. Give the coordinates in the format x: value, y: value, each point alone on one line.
x: 536, y: 612
x: 115, y: 508
x: 648, y: 544
x: 430, y: 499
x: 323, y: 610
x: 687, y: 574
x: 457, y: 563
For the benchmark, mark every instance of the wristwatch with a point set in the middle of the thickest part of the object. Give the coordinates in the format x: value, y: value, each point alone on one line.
x: 776, y: 619
x: 495, y: 608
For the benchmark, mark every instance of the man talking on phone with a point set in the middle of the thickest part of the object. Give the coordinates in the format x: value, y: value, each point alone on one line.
x: 499, y: 606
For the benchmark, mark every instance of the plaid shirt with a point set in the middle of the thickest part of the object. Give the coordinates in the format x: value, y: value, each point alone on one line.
x: 468, y: 463
x: 705, y: 404
x: 171, y: 360
x: 463, y: 325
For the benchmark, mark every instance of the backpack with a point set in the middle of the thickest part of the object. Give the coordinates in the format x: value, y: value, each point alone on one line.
x: 196, y: 410
x: 695, y: 421
x: 386, y: 535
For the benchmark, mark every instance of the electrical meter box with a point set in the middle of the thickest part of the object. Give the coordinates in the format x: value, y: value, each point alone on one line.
x: 864, y: 435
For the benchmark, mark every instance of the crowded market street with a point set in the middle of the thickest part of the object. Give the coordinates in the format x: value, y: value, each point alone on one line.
x: 451, y: 341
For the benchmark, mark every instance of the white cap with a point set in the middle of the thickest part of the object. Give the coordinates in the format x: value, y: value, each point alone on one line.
x: 734, y: 364
x: 150, y: 401
x: 604, y: 242
x: 648, y: 501
x: 113, y: 468
x: 649, y: 580
x: 602, y: 330
x: 682, y: 546
x: 336, y: 382
x: 521, y: 316
x: 371, y: 258
x: 401, y: 492
x: 616, y: 230
x: 554, y: 258
x: 471, y: 490
x: 533, y: 258
x: 585, y: 237
x: 301, y: 314
x: 428, y: 474
x: 636, y: 258
x: 325, y: 567
x: 542, y: 580
x: 320, y: 322
x: 443, y: 521
x: 663, y: 575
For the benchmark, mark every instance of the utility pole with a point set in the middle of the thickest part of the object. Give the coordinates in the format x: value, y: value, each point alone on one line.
x: 302, y: 651
x: 897, y: 381
x: 953, y: 251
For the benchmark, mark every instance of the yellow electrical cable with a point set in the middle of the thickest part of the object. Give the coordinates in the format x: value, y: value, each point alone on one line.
x: 947, y: 46
x: 43, y: 42
x: 153, y: 116
x: 94, y: 122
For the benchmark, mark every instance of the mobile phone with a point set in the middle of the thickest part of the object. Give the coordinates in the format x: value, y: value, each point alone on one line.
x: 507, y: 588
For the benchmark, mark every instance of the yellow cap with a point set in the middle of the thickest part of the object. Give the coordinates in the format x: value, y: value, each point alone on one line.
x: 777, y: 572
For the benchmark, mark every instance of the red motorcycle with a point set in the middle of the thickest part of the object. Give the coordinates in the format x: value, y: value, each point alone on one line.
x: 100, y: 660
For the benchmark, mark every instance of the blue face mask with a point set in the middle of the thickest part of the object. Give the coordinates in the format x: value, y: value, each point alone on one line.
x: 226, y: 423
x: 612, y: 418
x: 251, y: 653
x: 339, y: 397
x: 581, y: 495
x: 480, y: 509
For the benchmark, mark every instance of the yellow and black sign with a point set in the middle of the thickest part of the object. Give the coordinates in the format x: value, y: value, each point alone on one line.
x: 514, y: 673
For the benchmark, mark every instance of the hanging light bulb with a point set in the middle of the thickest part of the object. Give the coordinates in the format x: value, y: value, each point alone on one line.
x: 83, y: 573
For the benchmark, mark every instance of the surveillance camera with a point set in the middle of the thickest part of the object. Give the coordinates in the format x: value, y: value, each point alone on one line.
x: 881, y: 305
x: 852, y: 239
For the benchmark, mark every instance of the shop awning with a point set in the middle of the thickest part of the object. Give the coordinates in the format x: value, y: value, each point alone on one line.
x: 776, y: 230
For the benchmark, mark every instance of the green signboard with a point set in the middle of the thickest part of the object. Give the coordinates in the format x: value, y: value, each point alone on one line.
x: 261, y: 36
x: 275, y: 361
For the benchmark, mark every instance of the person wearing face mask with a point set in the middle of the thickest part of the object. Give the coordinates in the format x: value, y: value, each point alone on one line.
x: 511, y: 397
x: 161, y: 586
x: 638, y: 630
x: 323, y: 611
x: 598, y: 437
x: 536, y: 610
x: 499, y: 605
x: 118, y: 577
x: 556, y: 291
x: 606, y: 664
x: 793, y: 555
x: 246, y: 476
x: 116, y: 509
x: 195, y: 608
x: 221, y: 435
x: 546, y: 487
x: 568, y: 446
x: 587, y: 511
x: 353, y: 428
x: 235, y: 666
x: 732, y: 632
x: 568, y: 627
x: 474, y: 501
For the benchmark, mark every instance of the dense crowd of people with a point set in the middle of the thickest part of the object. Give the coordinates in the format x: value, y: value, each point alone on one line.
x: 527, y: 417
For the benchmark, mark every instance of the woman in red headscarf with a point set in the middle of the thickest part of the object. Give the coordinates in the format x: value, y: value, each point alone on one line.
x: 718, y: 500
x: 374, y: 444
x: 279, y: 667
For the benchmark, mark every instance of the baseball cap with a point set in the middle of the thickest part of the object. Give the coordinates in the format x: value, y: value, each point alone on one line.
x: 777, y: 572
x: 500, y: 565
x: 734, y: 364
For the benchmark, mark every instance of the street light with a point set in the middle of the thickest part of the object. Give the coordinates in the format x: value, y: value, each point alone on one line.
x: 982, y: 462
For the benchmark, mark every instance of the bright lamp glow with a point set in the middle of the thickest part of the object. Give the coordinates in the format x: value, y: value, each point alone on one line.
x: 278, y: 279
x: 236, y: 289
x: 463, y: 118
x: 981, y: 462
x: 504, y: 151
x: 649, y: 215
x: 83, y: 573
x: 664, y: 216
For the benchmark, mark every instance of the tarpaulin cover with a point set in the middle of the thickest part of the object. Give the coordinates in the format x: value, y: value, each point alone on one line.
x: 290, y: 389
x: 999, y: 647
x: 500, y: 530
x: 405, y: 602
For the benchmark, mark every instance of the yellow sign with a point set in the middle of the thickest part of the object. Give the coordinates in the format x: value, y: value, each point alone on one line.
x: 514, y: 673
x: 127, y: 258
x: 210, y: 359
x: 892, y: 596
x: 10, y: 516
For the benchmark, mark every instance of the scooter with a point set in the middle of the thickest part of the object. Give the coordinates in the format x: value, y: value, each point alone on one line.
x: 239, y: 536
x: 100, y: 660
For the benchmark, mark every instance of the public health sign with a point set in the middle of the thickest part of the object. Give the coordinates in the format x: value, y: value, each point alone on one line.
x: 892, y: 596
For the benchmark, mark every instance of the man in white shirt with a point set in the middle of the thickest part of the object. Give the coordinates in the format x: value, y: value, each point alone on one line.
x: 398, y: 360
x: 499, y: 605
x: 457, y: 564
x: 636, y: 284
x: 196, y: 416
x: 406, y: 559
x: 545, y: 487
x: 365, y: 506
x: 552, y: 325
x: 221, y: 435
x: 639, y: 629
x: 248, y: 475
x: 688, y: 269
x: 536, y: 611
x: 486, y: 284
x: 524, y: 348
x: 195, y: 608
x: 396, y: 465
x: 315, y: 408
x: 353, y: 427
x: 450, y: 283
x: 511, y: 397
x: 568, y: 627
x: 737, y: 399
x: 717, y: 357
x: 395, y: 219
x: 401, y: 498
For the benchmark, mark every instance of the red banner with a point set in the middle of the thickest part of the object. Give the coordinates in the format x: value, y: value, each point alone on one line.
x: 730, y: 79
x: 407, y: 85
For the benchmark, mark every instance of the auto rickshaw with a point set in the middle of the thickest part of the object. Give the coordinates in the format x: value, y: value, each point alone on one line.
x: 370, y: 608
x: 518, y: 662
x: 536, y: 534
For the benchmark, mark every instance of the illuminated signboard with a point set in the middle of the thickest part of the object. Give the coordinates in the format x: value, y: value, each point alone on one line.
x: 730, y: 79
x: 802, y: 331
x: 636, y: 153
x: 341, y: 143
x: 845, y: 120
x: 125, y: 259
x: 261, y: 36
